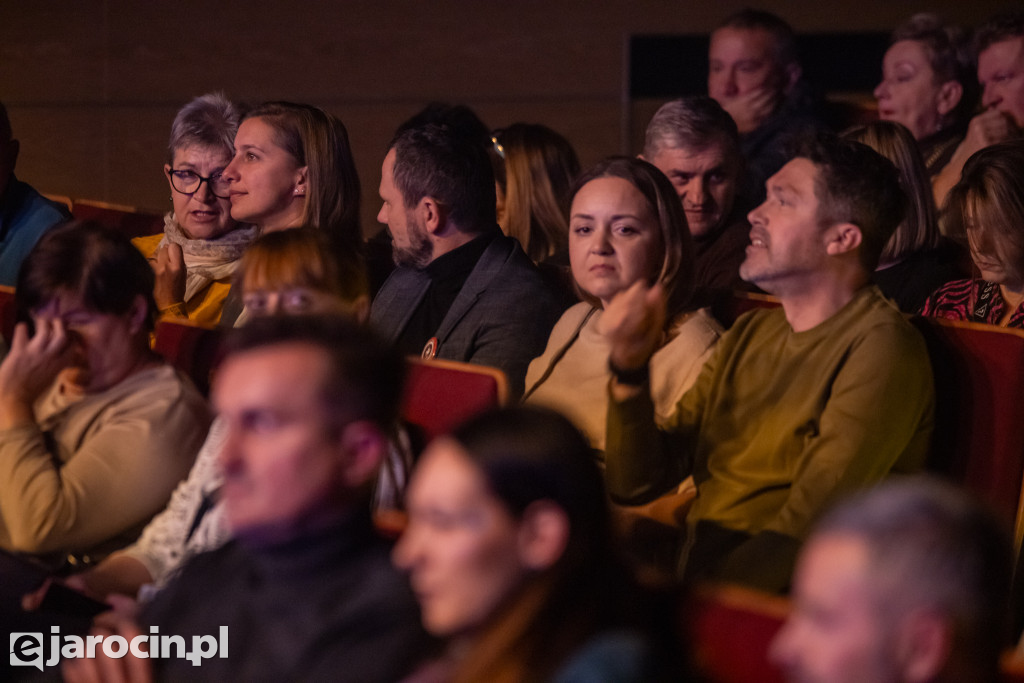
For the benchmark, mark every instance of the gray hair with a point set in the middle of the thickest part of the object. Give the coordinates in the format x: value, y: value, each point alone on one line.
x: 930, y: 545
x: 209, y: 120
x: 695, y: 122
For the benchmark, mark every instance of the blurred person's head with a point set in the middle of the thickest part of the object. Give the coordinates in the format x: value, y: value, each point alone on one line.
x: 437, y: 192
x: 540, y: 167
x: 753, y: 51
x: 295, y: 272
x: 307, y: 403
x: 101, y: 288
x: 293, y: 166
x: 919, y: 229
x: 508, y: 542
x: 695, y: 143
x: 987, y: 206
x: 200, y: 148
x: 907, y: 582
x: 999, y: 44
x: 627, y: 224
x: 928, y: 76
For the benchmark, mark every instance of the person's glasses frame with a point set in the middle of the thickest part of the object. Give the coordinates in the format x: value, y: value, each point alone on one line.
x: 185, y: 178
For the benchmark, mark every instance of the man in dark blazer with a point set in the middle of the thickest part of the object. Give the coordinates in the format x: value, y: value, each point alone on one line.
x: 462, y: 290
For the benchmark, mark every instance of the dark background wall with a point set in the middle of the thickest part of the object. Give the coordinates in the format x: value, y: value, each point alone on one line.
x: 92, y: 85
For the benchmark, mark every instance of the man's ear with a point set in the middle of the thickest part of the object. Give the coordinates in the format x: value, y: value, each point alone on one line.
x: 641, y: 156
x: 842, y: 238
x: 364, y: 446
x: 950, y: 93
x: 924, y: 642
x: 137, y: 314
x: 543, y: 535
x: 791, y: 74
x: 432, y: 214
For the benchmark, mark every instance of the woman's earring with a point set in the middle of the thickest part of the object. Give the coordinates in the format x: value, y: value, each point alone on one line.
x: 299, y: 192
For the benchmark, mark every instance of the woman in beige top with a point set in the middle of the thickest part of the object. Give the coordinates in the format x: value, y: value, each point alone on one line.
x: 625, y: 225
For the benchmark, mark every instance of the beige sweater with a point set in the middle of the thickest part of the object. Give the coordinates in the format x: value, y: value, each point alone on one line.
x: 92, y: 470
x: 578, y: 383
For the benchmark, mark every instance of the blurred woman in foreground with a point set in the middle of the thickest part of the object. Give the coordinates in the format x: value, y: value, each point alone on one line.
x: 509, y: 551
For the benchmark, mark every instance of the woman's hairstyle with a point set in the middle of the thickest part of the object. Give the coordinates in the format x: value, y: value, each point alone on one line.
x: 919, y: 229
x: 540, y: 166
x: 949, y: 54
x: 209, y: 120
x: 88, y: 261
x: 528, y: 455
x: 677, y: 270
x: 301, y: 257
x: 319, y: 141
x: 989, y: 197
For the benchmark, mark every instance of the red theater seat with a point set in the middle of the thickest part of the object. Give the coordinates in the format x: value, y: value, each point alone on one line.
x: 440, y: 394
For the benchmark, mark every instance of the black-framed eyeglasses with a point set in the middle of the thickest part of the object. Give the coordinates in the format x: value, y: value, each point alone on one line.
x: 188, y: 182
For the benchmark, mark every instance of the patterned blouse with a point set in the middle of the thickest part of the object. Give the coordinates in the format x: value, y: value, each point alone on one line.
x: 974, y: 300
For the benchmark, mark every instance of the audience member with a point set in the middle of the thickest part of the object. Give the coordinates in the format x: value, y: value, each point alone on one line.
x: 305, y: 590
x: 929, y: 85
x: 694, y: 142
x: 540, y: 168
x: 626, y: 226
x: 95, y: 430
x: 24, y: 213
x: 754, y: 72
x: 293, y: 167
x: 509, y: 550
x: 826, y: 394
x: 906, y: 582
x: 291, y: 272
x: 461, y: 119
x: 988, y: 206
x: 199, y: 249
x: 462, y: 290
x: 533, y: 199
x: 999, y: 46
x: 916, y: 260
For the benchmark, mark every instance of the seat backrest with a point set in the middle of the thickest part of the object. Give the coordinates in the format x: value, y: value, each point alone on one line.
x: 732, y: 628
x: 440, y: 394
x: 979, y: 417
x: 8, y: 312
x: 127, y: 220
x: 191, y: 348
x: 726, y: 306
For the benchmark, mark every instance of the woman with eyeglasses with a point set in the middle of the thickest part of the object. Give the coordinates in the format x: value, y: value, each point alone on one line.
x: 196, y: 255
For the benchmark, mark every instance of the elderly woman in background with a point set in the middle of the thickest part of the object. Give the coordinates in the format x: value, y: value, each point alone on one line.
x: 988, y: 206
x: 929, y: 85
x: 95, y: 430
x: 917, y: 260
x: 509, y: 550
x: 626, y: 225
x: 199, y: 249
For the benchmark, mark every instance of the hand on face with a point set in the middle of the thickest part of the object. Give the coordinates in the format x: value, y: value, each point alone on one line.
x: 750, y: 109
x: 31, y: 366
x: 986, y: 129
x: 169, y: 267
x: 633, y: 323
